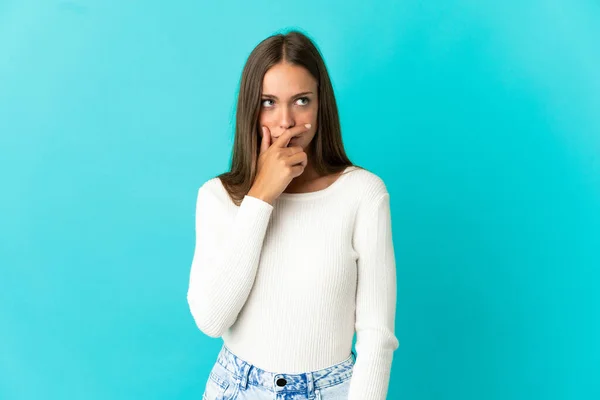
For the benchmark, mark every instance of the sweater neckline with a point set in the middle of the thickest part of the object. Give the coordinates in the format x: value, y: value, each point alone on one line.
x: 316, y: 193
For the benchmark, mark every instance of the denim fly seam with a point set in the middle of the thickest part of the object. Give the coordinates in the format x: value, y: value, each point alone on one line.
x: 246, y: 374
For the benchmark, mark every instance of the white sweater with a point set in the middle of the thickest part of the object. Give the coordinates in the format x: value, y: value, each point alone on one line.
x: 287, y: 285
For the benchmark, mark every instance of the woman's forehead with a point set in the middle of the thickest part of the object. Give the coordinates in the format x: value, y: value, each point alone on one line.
x: 287, y: 80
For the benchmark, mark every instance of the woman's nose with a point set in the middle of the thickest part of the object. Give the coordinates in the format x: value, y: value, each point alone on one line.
x: 286, y: 119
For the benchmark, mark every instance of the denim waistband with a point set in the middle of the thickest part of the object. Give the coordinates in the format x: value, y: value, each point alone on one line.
x: 246, y: 373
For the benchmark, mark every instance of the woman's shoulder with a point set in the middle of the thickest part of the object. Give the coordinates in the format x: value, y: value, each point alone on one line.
x: 212, y: 184
x: 212, y: 189
x: 367, y: 182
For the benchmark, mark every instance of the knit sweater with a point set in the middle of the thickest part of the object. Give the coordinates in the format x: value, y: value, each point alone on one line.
x: 287, y: 285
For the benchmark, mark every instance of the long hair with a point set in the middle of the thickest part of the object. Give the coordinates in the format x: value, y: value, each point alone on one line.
x: 327, y: 150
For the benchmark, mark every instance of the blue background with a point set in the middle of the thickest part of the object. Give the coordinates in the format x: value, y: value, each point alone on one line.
x: 482, y: 118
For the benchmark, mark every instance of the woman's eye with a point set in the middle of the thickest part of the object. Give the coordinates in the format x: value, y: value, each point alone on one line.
x: 304, y: 98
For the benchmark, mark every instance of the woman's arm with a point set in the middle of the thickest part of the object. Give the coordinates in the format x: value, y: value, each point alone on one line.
x: 225, y: 259
x: 375, y: 299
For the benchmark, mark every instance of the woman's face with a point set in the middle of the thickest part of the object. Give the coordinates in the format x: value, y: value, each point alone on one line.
x: 289, y: 98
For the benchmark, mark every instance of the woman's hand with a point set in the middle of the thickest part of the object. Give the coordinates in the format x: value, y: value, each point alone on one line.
x: 278, y: 164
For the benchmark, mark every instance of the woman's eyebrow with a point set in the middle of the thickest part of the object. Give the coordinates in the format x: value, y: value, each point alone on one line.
x: 296, y: 95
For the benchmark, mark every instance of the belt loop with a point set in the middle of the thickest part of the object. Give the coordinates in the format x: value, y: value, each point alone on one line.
x: 244, y: 373
x: 310, y: 385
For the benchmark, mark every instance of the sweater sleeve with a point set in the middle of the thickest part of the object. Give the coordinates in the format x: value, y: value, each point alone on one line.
x: 375, y: 301
x: 225, y: 260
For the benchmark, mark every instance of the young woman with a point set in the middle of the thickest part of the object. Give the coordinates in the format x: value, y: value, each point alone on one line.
x: 294, y: 248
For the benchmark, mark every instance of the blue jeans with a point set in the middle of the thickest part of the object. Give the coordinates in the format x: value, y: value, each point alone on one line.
x: 233, y: 378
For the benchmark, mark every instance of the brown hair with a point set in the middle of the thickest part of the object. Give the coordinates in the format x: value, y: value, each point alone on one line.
x: 327, y: 150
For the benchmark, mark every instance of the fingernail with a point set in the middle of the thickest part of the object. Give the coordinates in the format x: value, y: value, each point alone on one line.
x: 307, y: 125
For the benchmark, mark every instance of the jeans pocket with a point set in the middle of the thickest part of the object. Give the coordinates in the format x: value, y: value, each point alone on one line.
x: 339, y: 391
x: 216, y: 386
x: 219, y: 385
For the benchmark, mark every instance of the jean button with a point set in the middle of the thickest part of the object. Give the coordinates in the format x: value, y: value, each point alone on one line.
x: 281, y: 382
